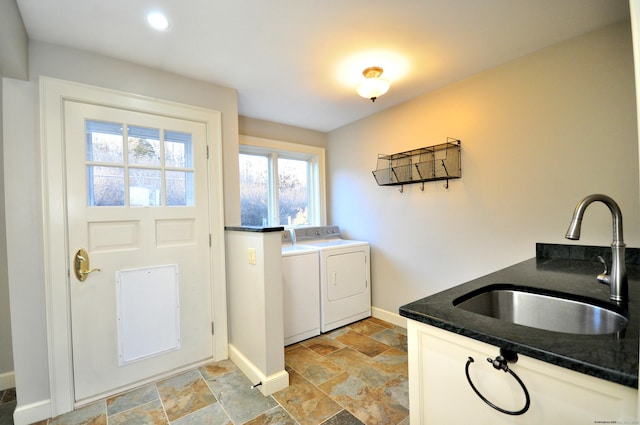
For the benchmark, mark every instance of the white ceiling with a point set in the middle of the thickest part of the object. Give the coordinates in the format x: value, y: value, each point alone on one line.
x: 297, y: 61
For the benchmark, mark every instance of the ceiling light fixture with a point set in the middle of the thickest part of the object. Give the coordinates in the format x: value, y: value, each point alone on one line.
x: 158, y: 21
x: 373, y: 86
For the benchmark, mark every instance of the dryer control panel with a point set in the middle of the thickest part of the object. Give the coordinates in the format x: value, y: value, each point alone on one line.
x: 308, y: 234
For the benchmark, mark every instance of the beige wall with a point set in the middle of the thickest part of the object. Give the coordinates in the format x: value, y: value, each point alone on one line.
x: 24, y: 241
x: 285, y: 133
x: 13, y: 64
x: 6, y: 354
x: 14, y: 42
x: 538, y: 134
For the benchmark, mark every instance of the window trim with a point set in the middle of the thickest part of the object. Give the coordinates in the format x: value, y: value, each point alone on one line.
x: 316, y: 179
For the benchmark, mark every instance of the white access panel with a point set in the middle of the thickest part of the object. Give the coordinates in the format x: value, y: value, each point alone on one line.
x: 345, y: 287
x: 148, y: 312
x: 301, y: 295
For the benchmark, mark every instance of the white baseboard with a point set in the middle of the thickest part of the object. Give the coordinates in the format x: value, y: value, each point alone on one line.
x: 388, y: 316
x: 269, y: 384
x: 34, y: 412
x: 7, y: 380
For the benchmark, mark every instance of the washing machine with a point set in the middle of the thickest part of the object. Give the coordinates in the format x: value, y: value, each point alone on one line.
x: 301, y: 290
x: 345, y: 275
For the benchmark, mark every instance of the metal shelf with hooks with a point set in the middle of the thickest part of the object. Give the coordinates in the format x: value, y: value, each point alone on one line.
x: 438, y: 162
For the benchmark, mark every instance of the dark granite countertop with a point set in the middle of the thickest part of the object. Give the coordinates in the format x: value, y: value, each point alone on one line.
x: 254, y: 229
x: 565, y: 268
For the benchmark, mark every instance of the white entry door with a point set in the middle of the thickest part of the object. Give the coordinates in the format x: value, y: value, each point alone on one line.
x: 137, y: 203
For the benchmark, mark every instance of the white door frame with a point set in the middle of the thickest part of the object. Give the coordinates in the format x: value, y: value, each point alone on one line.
x: 53, y: 93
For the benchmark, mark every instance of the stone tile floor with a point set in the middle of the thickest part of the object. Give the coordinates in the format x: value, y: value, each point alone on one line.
x: 354, y: 375
x: 7, y: 406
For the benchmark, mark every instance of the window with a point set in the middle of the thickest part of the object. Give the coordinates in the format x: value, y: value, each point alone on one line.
x: 138, y: 167
x: 281, y: 184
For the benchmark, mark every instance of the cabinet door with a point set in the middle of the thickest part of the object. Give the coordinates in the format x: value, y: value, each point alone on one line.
x: 440, y: 393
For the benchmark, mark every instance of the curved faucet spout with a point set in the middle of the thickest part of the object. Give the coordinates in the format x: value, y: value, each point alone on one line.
x: 616, y: 215
x: 618, y: 277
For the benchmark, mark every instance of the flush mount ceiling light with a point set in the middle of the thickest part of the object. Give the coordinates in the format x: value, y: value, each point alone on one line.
x: 373, y: 86
x: 158, y: 21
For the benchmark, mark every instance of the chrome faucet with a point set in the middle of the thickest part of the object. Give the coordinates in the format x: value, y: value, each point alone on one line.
x: 617, y: 279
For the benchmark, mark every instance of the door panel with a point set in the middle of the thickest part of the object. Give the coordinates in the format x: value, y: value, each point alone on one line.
x: 135, y: 200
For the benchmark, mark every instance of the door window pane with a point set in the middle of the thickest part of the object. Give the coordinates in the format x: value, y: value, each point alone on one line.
x: 178, y: 149
x: 157, y: 168
x: 145, y: 187
x: 106, y: 186
x: 144, y: 145
x: 104, y: 142
x: 179, y: 188
x: 254, y: 194
x: 292, y: 192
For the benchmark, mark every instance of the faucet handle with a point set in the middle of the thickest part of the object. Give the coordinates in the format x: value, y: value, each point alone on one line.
x: 604, y: 276
x: 604, y: 263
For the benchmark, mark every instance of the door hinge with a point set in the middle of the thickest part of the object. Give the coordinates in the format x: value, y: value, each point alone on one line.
x: 209, y: 240
x: 207, y: 151
x: 213, y: 330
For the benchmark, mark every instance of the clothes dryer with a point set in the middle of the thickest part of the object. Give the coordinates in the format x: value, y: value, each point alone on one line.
x: 345, y: 275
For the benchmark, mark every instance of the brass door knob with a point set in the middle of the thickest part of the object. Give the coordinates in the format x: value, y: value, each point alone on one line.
x: 81, y: 265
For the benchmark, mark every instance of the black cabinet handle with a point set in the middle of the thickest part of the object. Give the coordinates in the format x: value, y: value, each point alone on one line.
x: 499, y: 363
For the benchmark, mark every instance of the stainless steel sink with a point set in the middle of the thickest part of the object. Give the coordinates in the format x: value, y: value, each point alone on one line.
x: 529, y: 307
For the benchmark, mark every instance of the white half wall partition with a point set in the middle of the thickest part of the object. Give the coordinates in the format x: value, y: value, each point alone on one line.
x: 254, y: 290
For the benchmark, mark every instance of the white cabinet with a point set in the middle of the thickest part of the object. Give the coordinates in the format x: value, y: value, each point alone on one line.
x: 440, y: 393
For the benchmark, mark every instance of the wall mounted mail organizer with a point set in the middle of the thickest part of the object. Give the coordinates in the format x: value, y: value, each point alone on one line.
x: 438, y: 162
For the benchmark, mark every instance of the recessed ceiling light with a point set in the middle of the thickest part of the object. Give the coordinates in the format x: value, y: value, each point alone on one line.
x: 158, y: 21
